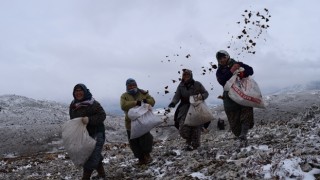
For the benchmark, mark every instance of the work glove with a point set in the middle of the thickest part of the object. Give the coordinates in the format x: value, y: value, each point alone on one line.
x: 138, y: 103
x: 85, y: 120
x: 171, y: 105
x: 234, y: 68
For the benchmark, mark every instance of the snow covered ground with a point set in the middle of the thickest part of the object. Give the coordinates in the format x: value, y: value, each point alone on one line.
x: 284, y: 144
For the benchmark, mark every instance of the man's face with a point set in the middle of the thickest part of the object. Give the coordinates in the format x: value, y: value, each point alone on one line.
x: 79, y: 94
x: 131, y: 86
x: 186, y: 76
x: 223, y: 60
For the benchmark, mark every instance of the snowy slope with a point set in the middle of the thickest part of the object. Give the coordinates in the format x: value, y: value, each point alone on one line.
x: 20, y: 111
x: 285, y: 106
x: 284, y: 144
x: 286, y: 148
x: 28, y: 125
x: 298, y: 88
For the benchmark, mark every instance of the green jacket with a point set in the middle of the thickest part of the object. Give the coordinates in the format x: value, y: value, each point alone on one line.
x: 128, y: 101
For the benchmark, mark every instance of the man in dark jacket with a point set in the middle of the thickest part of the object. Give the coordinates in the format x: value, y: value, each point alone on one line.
x: 92, y: 115
x: 240, y: 117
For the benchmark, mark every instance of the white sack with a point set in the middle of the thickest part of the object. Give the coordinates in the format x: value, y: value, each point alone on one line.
x: 142, y: 120
x: 77, y: 141
x: 244, y: 91
x: 198, y: 113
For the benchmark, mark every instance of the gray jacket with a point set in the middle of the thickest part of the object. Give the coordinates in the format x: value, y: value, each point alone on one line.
x: 183, y: 94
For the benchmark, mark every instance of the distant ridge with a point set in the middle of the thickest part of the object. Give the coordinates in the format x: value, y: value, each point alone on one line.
x: 26, y: 109
x: 296, y: 88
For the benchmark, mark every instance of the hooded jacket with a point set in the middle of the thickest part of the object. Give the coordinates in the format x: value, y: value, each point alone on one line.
x: 93, y: 110
x: 182, y: 95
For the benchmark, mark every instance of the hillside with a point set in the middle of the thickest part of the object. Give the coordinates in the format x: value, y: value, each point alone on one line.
x: 28, y: 125
x: 284, y: 143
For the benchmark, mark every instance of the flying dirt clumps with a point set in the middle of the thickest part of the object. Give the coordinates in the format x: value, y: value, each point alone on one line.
x: 253, y: 26
x: 204, y: 70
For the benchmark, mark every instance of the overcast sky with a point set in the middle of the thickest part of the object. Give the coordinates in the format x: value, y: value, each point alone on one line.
x: 46, y: 47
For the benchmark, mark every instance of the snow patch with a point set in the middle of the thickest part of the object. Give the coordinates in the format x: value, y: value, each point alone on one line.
x: 199, y: 175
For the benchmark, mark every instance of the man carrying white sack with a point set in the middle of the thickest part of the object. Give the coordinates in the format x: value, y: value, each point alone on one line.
x: 240, y: 117
x: 186, y: 88
x: 141, y: 146
x: 93, y: 115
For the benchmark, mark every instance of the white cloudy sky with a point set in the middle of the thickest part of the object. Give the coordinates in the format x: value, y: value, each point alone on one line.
x: 46, y: 47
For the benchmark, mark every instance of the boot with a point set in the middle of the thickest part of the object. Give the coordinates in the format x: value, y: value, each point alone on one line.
x: 244, y: 131
x: 195, y: 147
x: 148, y: 158
x: 142, y: 161
x: 243, y: 135
x: 188, y: 146
x: 86, y: 174
x: 101, y: 172
x: 188, y: 141
x: 243, y: 143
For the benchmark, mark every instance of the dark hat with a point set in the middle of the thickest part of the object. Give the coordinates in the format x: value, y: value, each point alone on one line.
x: 131, y: 82
x: 222, y: 53
x: 187, y: 71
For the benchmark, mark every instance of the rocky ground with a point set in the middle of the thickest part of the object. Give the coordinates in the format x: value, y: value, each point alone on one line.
x: 286, y: 149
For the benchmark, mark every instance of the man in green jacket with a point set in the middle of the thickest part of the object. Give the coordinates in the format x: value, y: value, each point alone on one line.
x: 141, y: 146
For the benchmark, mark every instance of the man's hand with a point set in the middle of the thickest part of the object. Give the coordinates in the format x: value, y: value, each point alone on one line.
x: 85, y: 120
x: 171, y: 105
x: 234, y: 68
x: 200, y: 97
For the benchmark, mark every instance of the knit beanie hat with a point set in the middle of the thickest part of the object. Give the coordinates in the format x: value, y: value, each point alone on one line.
x: 222, y: 53
x: 131, y: 81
